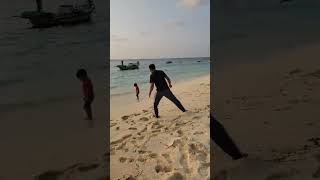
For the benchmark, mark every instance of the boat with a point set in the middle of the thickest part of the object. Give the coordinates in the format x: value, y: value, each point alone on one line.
x: 66, y: 15
x: 130, y: 66
x: 169, y: 62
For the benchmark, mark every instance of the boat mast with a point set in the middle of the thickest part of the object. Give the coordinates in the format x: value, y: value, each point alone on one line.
x: 39, y: 5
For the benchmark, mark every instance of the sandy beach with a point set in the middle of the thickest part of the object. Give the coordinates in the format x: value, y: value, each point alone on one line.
x: 53, y: 141
x: 174, y: 146
x: 270, y: 108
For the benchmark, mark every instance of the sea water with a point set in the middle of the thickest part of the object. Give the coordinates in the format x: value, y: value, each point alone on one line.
x: 181, y: 69
x: 38, y: 67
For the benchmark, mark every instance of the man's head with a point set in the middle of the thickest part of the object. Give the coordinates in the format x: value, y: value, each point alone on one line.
x: 135, y: 85
x: 81, y: 74
x: 152, y: 67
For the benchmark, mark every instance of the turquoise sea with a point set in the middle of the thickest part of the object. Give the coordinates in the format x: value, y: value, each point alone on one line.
x: 181, y: 69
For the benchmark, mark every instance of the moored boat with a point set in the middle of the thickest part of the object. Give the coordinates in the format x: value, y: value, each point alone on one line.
x: 130, y: 66
x: 67, y: 14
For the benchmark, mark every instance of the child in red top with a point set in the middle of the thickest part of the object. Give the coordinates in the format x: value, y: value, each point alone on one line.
x: 137, y: 90
x: 88, y: 93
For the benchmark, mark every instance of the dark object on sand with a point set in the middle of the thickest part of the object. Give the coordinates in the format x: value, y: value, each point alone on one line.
x: 220, y: 136
x: 67, y: 15
x: 168, y: 62
x: 130, y: 66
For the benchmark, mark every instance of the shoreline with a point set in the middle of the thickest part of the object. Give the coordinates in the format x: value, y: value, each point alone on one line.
x: 116, y: 106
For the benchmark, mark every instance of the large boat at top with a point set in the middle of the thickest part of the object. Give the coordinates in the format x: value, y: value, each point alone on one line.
x: 66, y: 15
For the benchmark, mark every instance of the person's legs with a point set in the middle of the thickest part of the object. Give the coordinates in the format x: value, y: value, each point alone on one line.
x: 157, y: 99
x: 87, y: 109
x: 223, y: 140
x: 168, y: 94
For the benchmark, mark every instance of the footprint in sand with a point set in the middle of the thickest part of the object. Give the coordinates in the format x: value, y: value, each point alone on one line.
x: 130, y: 160
x: 196, y: 117
x: 121, y: 146
x: 203, y: 169
x: 160, y: 168
x: 142, y: 151
x: 141, y: 159
x: 184, y: 159
x: 180, y: 133
x: 144, y: 119
x: 198, y: 150
x: 121, y: 139
x: 198, y: 133
x: 176, y: 176
x: 132, y: 128
x: 156, y: 131
x: 167, y: 157
x: 113, y: 124
x: 130, y: 178
x: 122, y: 159
x: 153, y: 155
x: 124, y: 117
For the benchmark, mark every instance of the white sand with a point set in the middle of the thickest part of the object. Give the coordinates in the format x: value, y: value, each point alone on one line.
x: 176, y: 145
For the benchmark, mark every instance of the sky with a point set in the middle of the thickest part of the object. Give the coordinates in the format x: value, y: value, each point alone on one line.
x: 159, y: 28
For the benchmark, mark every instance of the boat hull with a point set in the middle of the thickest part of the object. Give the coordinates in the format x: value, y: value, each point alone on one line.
x: 131, y: 67
x: 68, y: 19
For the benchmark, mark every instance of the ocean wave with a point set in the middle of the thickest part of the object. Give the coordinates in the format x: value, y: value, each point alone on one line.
x: 120, y: 94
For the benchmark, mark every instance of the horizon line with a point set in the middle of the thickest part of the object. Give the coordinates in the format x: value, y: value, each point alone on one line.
x: 117, y: 59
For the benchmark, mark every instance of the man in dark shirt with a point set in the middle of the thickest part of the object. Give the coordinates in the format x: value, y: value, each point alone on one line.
x: 159, y: 78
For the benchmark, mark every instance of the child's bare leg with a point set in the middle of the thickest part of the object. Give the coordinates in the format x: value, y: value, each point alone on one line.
x: 88, y: 111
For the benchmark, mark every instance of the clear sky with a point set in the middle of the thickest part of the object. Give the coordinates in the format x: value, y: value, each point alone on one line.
x: 159, y: 28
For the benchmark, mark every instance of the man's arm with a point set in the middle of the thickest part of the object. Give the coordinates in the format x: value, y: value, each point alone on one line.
x: 168, y: 79
x: 151, y: 88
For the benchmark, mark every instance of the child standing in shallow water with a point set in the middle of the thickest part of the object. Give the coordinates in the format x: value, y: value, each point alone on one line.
x: 137, y: 90
x: 88, y: 94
